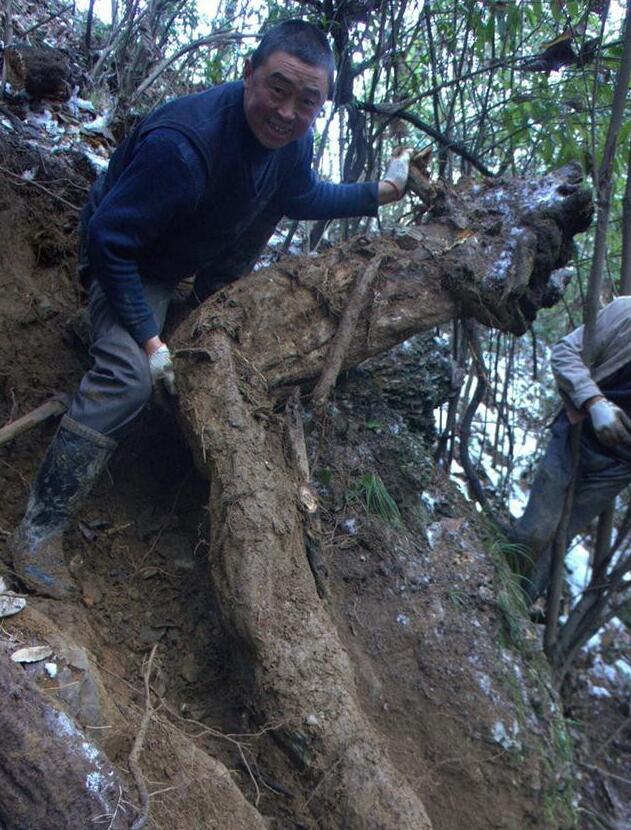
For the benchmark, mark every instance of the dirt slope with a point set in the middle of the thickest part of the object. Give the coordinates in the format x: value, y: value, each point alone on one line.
x: 449, y: 676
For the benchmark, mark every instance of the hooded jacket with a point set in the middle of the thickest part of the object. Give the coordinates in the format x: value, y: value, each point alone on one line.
x: 612, y: 350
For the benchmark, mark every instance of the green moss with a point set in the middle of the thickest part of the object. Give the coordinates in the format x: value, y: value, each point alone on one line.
x: 555, y: 747
x: 415, y: 459
x: 559, y: 802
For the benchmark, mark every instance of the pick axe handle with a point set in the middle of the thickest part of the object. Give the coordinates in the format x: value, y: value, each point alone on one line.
x: 54, y: 406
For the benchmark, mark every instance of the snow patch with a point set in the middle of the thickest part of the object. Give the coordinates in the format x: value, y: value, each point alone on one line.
x: 485, y: 683
x: 624, y: 669
x: 577, y: 564
x: 500, y: 268
x: 95, y: 782
x: 604, y: 671
x: 457, y: 475
x: 63, y: 725
x: 433, y: 532
x: 350, y: 526
x: 599, y: 691
x: 90, y: 751
x: 505, y: 738
x: 98, y: 163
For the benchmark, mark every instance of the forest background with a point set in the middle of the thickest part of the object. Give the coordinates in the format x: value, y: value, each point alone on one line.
x: 485, y: 88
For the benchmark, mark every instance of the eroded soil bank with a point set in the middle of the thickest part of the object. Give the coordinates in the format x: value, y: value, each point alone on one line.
x: 448, y: 675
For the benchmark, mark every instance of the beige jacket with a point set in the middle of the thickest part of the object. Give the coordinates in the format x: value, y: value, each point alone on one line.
x: 612, y: 349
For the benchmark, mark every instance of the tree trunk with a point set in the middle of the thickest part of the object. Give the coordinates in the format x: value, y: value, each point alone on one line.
x: 625, y: 265
x: 491, y: 251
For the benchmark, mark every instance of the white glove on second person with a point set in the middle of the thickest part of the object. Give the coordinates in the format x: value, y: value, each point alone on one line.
x: 611, y: 425
x: 398, y: 171
x: 161, y: 368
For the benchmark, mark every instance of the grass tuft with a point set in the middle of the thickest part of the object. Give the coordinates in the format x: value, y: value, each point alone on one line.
x: 377, y: 500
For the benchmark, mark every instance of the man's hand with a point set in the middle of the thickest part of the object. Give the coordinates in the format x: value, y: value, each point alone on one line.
x: 611, y: 425
x: 392, y: 186
x: 161, y: 364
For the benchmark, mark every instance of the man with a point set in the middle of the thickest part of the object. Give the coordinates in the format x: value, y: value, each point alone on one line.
x: 601, y: 399
x: 196, y: 189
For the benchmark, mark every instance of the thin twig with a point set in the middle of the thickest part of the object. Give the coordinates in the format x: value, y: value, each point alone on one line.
x: 605, y: 772
x: 340, y: 343
x: 330, y: 770
x: 46, y: 20
x: 601, y: 820
x: 241, y: 745
x: 603, y: 746
x: 8, y: 37
x: 40, y: 187
x: 220, y: 38
x: 134, y: 765
x: 455, y: 146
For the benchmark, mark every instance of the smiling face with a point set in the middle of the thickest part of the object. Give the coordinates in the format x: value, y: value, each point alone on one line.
x: 282, y: 98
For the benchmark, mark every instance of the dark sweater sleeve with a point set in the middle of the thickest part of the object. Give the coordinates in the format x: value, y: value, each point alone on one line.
x: 307, y: 197
x: 164, y: 179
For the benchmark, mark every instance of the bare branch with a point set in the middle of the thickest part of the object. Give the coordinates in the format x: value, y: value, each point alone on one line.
x: 455, y: 146
x: 219, y: 38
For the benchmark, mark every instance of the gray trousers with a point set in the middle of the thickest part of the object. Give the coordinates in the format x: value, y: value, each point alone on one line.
x: 117, y: 387
x: 601, y: 476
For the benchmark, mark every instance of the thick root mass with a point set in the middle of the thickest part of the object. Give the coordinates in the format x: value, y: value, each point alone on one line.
x: 303, y: 679
x: 490, y: 252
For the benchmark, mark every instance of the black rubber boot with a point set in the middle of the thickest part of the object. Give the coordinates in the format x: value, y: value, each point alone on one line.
x: 72, y: 464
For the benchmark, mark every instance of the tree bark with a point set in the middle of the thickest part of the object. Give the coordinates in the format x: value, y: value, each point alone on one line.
x: 492, y: 252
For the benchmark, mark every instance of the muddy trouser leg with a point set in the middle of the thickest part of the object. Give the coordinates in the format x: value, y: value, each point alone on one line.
x: 600, y: 477
x: 537, y: 526
x: 117, y: 387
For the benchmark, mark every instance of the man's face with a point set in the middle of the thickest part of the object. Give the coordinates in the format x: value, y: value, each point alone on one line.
x: 282, y: 98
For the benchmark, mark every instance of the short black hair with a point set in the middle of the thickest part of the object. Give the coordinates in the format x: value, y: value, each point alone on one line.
x: 301, y: 39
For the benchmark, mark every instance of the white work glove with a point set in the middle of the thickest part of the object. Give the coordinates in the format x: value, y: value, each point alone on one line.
x: 161, y: 368
x: 611, y: 425
x: 398, y: 170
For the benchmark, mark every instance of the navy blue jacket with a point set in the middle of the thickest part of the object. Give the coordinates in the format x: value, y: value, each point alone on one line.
x: 192, y: 191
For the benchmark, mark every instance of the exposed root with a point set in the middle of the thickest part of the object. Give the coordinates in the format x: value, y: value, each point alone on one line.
x: 134, y: 755
x: 270, y: 604
x: 339, y: 346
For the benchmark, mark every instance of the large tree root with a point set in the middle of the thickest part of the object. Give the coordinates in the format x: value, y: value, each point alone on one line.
x: 496, y: 253
x: 491, y: 252
x: 302, y: 677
